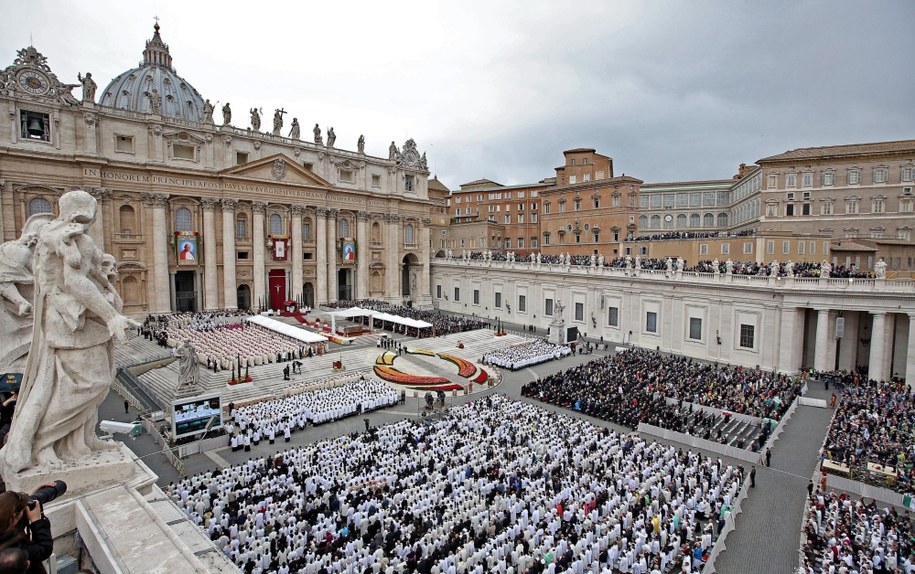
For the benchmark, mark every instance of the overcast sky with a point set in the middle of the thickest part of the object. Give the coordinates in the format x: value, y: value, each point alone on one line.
x: 672, y: 90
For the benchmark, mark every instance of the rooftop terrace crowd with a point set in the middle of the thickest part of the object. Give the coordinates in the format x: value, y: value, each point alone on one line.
x: 875, y: 422
x: 843, y: 535
x: 673, y: 235
x: 442, y: 324
x: 765, y: 269
x: 493, y: 486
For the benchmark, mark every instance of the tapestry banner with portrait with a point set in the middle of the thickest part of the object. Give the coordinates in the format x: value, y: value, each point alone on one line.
x: 347, y: 250
x: 186, y: 247
x: 280, y: 248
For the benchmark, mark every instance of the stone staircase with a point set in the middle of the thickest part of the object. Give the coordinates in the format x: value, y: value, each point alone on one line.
x: 359, y: 358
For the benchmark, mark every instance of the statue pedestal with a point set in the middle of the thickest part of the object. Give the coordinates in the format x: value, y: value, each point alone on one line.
x: 98, y: 470
x: 186, y: 391
x: 556, y: 336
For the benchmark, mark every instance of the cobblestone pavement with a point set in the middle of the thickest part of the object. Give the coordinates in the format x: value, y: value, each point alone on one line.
x: 767, y: 535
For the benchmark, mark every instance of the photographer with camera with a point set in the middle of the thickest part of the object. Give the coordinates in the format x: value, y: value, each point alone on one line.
x: 23, y: 524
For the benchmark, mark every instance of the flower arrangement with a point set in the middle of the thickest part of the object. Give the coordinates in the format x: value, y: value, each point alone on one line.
x: 465, y: 368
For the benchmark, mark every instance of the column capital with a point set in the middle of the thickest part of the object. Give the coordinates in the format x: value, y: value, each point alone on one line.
x: 321, y: 212
x: 362, y: 215
x: 297, y: 210
x: 391, y: 218
x: 100, y: 193
x: 155, y: 199
x: 878, y: 313
x: 228, y: 205
x: 259, y: 207
x: 427, y: 221
x: 209, y: 203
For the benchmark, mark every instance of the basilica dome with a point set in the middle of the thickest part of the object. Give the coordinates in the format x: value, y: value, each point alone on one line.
x: 154, y: 84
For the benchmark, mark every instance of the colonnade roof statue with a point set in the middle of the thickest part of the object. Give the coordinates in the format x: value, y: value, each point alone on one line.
x: 70, y: 365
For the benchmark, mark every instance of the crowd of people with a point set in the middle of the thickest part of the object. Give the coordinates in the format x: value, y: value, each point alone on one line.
x: 675, y: 235
x: 631, y: 387
x: 780, y: 269
x: 874, y: 423
x: 845, y: 535
x: 270, y: 419
x: 526, y: 354
x: 493, y: 486
x: 241, y: 345
x: 442, y: 323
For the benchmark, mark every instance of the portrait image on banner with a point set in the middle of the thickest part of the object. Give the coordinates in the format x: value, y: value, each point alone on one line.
x: 280, y: 247
x: 186, y: 252
x: 348, y: 250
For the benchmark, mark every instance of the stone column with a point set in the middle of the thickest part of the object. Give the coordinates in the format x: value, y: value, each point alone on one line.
x: 877, y: 367
x: 362, y: 255
x: 321, y: 255
x: 392, y: 248
x: 229, y: 291
x: 160, y: 301
x: 258, y: 240
x: 787, y: 362
x: 210, y: 266
x: 332, y: 254
x: 295, y: 288
x: 910, y: 356
x: 97, y: 229
x: 820, y: 350
x: 425, y: 258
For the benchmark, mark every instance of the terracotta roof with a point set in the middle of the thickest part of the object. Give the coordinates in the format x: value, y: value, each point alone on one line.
x: 434, y: 183
x: 579, y: 150
x: 843, y: 151
x: 481, y: 182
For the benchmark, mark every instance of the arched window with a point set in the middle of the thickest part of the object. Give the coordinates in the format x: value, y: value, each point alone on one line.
x: 344, y: 228
x: 694, y: 220
x: 128, y: 220
x: 681, y: 220
x: 408, y: 234
x: 39, y: 205
x: 306, y: 230
x: 183, y: 219
x: 722, y: 220
x: 276, y: 224
x: 643, y: 221
x: 655, y: 221
x: 708, y: 220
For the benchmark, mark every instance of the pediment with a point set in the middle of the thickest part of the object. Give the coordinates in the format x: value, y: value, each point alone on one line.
x: 277, y: 168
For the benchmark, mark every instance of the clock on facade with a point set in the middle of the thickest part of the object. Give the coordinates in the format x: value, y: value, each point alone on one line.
x: 33, y: 82
x: 668, y: 218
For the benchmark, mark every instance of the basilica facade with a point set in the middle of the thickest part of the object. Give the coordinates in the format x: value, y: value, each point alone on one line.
x: 202, y: 214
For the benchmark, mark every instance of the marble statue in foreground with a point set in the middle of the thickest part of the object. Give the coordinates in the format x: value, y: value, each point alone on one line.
x: 71, y: 361
x: 16, y: 294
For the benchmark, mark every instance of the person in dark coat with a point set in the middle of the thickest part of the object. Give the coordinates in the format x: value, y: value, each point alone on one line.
x: 26, y: 528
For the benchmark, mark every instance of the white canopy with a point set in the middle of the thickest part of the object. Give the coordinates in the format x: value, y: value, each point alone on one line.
x: 353, y: 312
x: 359, y: 312
x: 286, y: 329
x: 402, y: 320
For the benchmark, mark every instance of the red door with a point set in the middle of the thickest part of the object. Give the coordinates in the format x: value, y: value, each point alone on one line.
x: 277, y: 287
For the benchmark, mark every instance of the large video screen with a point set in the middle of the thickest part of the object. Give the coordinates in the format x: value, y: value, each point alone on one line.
x: 191, y: 415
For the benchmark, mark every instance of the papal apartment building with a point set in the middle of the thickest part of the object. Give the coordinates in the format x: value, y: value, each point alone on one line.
x: 206, y: 215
